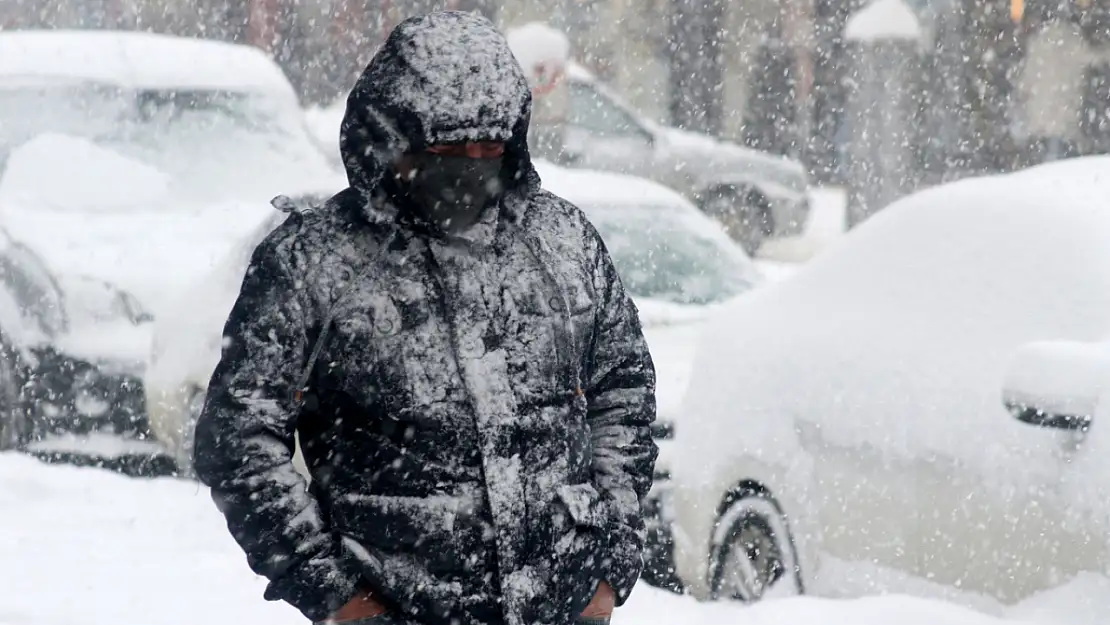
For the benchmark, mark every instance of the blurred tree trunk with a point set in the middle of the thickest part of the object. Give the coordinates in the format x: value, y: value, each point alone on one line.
x: 262, y: 24
x: 695, y: 64
x: 770, y: 121
x: 829, y: 89
x: 356, y: 29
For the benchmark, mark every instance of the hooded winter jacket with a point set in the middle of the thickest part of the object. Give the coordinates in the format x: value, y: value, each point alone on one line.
x: 474, y: 409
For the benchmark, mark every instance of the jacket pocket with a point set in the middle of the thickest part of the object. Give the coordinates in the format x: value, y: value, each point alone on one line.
x: 377, y: 619
x: 583, y: 504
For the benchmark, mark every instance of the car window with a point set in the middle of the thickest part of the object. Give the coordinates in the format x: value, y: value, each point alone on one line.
x: 29, y: 286
x: 594, y: 111
x: 665, y: 254
x: 213, y: 144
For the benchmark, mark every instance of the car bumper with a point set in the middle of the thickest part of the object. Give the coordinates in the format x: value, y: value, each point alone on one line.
x: 91, y: 415
x: 68, y: 395
x: 130, y: 456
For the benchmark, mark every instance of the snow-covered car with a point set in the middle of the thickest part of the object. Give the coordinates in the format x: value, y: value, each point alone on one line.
x: 851, y: 414
x: 577, y: 121
x: 677, y: 263
x: 221, y: 120
x: 139, y: 158
x: 755, y: 195
x: 72, y: 351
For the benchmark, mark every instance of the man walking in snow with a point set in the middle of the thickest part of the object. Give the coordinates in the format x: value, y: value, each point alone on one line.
x: 466, y: 373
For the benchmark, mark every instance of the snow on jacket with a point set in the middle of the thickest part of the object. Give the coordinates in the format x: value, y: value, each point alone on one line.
x: 476, y: 421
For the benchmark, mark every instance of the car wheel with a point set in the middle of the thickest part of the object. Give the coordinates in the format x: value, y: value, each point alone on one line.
x: 746, y: 216
x: 753, y: 555
x: 14, y: 424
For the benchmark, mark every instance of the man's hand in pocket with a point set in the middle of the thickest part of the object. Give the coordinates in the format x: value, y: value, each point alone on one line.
x: 602, y: 604
x: 362, y: 605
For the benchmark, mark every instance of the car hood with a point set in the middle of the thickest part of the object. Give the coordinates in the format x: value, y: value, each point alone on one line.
x: 117, y: 219
x: 727, y: 158
x: 149, y: 253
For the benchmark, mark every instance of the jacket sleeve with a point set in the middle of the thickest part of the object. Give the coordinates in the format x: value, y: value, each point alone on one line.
x: 620, y: 396
x: 244, y: 440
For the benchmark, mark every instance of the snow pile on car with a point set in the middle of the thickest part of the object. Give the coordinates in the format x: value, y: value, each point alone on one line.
x: 896, y: 339
x: 150, y: 253
x: 1061, y: 377
x: 189, y: 335
x: 71, y: 173
x: 323, y: 123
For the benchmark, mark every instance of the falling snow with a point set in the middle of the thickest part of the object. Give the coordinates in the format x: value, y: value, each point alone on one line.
x: 843, y: 260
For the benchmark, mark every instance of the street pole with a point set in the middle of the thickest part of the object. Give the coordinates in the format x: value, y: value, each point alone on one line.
x: 695, y: 64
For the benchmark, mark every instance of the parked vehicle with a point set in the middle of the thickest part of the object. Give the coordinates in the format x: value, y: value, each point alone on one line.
x: 72, y: 351
x: 755, y: 195
x: 851, y: 413
x: 677, y: 263
x: 139, y: 157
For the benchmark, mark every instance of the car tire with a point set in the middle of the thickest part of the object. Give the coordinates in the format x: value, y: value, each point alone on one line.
x: 15, y: 426
x: 753, y: 555
x: 744, y: 214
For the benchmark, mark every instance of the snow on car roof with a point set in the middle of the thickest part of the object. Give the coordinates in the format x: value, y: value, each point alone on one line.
x: 139, y: 60
x: 897, y: 338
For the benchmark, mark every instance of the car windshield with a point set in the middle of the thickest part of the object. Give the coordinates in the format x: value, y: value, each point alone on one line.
x: 91, y: 302
x: 212, y: 143
x: 29, y: 290
x: 667, y: 254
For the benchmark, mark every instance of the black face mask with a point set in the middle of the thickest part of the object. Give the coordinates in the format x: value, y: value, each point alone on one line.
x: 451, y: 192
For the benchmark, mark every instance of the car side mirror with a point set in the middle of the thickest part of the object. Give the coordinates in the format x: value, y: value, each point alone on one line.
x: 1058, y: 421
x: 1057, y: 384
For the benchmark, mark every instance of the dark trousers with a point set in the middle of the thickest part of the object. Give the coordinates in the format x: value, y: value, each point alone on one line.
x: 390, y: 619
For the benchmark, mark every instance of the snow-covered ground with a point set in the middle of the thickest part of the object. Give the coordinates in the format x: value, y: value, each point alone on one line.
x: 88, y: 547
